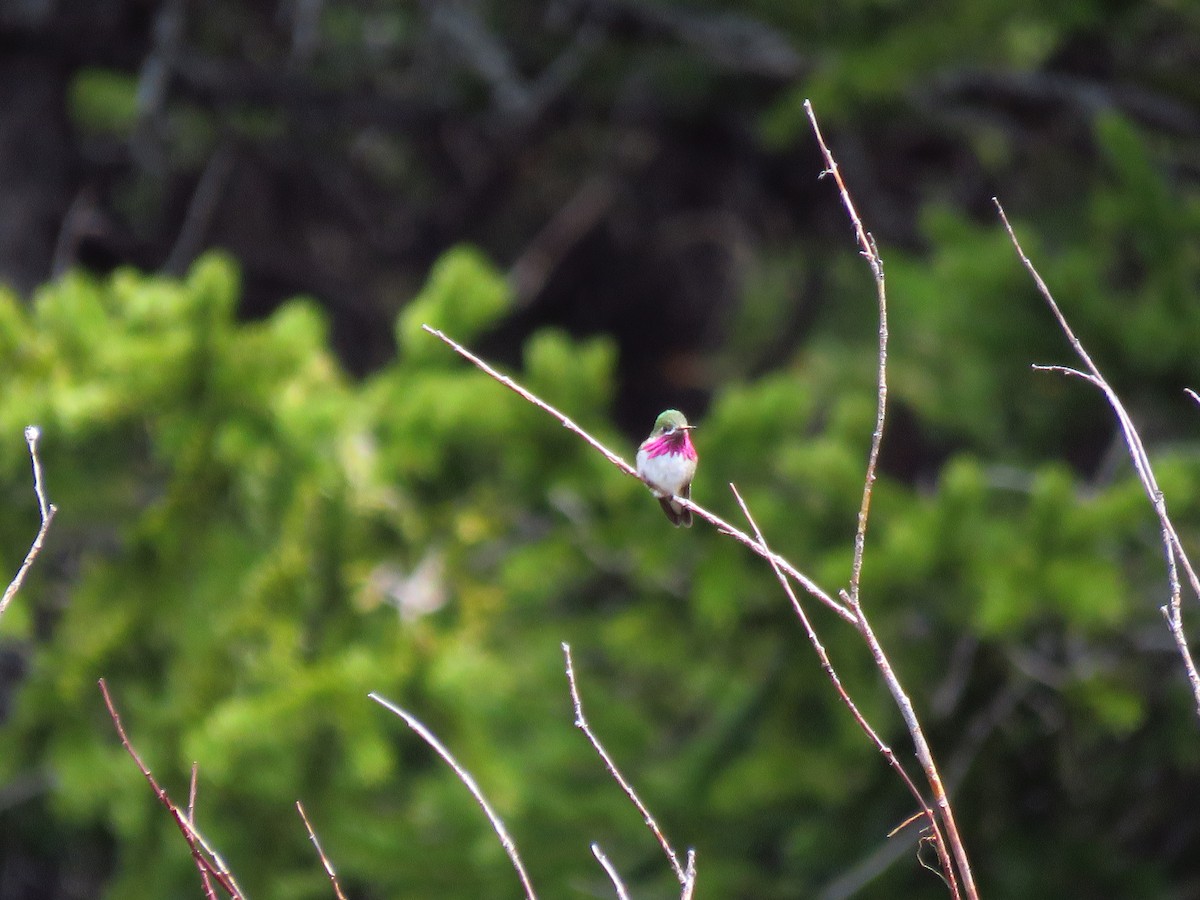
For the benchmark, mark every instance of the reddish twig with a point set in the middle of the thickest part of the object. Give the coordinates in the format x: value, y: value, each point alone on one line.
x: 207, y: 859
x: 831, y: 673
x: 46, y: 510
x: 1173, y: 549
x: 737, y: 534
x: 464, y: 776
x: 900, y: 697
x: 312, y: 836
x: 582, y: 724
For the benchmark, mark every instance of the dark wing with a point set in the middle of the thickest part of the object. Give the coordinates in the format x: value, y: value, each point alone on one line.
x: 679, y: 516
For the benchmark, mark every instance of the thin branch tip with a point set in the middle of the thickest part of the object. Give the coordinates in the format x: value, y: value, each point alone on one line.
x: 647, y: 817
x: 468, y: 781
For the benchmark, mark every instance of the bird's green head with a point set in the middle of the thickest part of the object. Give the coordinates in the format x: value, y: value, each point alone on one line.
x: 670, y: 420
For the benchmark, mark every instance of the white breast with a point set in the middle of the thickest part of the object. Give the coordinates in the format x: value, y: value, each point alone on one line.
x: 666, y: 474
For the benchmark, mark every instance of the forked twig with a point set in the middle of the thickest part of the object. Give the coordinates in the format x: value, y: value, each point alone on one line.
x: 924, y: 754
x: 464, y: 776
x: 312, y: 836
x: 206, y: 859
x: 582, y: 724
x: 1173, y: 549
x: 46, y: 510
x: 831, y: 673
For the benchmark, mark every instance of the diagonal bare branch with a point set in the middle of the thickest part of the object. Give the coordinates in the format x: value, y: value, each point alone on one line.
x: 207, y: 860
x: 831, y: 673
x: 582, y: 724
x: 312, y: 836
x: 506, y: 841
x: 47, y: 511
x: 721, y: 525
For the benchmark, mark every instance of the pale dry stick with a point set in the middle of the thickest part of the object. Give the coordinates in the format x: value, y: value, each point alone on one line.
x: 312, y: 836
x: 212, y: 862
x: 618, y: 885
x: 582, y: 724
x: 506, y: 841
x: 737, y: 534
x: 1172, y: 547
x: 47, y: 510
x: 852, y: 599
x: 205, y: 878
x: 689, y: 871
x: 831, y: 673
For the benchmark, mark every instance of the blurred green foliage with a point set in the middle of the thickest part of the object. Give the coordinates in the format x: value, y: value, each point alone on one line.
x: 249, y: 542
x: 104, y: 100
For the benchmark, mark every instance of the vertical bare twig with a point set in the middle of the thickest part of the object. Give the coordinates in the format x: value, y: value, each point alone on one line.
x: 1173, y: 549
x: 915, y: 730
x: 312, y: 836
x: 582, y: 724
x: 831, y: 673
x: 464, y: 776
x: 46, y: 510
x: 207, y: 859
x: 870, y: 253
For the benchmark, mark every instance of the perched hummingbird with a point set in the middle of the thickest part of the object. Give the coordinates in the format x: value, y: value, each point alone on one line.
x: 666, y: 461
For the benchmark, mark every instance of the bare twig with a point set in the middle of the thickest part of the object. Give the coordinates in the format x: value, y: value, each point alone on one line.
x: 206, y: 879
x: 924, y: 755
x: 312, y: 836
x: 201, y: 210
x: 46, y: 510
x: 870, y: 252
x: 622, y: 894
x: 582, y: 724
x: 542, y: 256
x: 831, y: 673
x: 737, y: 534
x: 689, y: 873
x: 1173, y: 549
x: 206, y: 859
x: 464, y: 776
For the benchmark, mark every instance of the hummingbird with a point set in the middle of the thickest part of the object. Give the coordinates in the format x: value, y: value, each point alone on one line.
x: 666, y: 461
